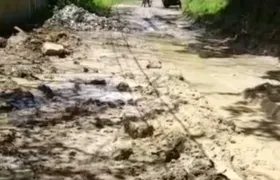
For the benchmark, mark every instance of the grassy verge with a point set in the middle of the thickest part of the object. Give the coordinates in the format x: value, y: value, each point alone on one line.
x: 203, y: 7
x: 255, y: 23
x: 236, y: 14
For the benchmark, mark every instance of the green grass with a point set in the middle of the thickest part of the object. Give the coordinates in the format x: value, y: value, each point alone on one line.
x: 103, y: 7
x: 105, y: 3
x: 203, y: 7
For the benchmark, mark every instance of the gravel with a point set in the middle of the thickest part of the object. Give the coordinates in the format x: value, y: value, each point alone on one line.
x: 77, y: 18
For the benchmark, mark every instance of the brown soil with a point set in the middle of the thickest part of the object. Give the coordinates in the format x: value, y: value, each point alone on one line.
x: 126, y: 106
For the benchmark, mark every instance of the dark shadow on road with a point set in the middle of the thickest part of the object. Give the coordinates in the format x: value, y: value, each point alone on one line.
x: 38, y: 161
x: 264, y: 119
x: 238, y: 110
x: 272, y: 75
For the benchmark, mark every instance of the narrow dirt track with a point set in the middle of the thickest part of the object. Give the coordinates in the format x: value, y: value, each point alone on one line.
x: 133, y: 106
x: 223, y: 81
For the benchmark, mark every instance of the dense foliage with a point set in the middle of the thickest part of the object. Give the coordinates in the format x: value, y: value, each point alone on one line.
x: 244, y: 15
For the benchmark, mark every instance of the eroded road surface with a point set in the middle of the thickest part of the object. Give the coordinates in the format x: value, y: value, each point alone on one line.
x: 126, y: 99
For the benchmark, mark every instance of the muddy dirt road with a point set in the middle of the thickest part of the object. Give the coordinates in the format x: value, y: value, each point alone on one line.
x: 115, y: 105
x: 223, y: 81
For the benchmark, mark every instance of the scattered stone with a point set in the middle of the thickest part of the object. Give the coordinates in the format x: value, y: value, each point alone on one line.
x: 53, y: 49
x: 3, y: 42
x: 76, y: 62
x: 72, y: 153
x: 129, y: 75
x: 181, y: 78
x: 7, y: 136
x: 86, y: 70
x: 24, y: 73
x: 139, y: 129
x: 177, y: 173
x: 54, y: 69
x: 77, y: 86
x: 154, y: 65
x: 138, y: 88
x: 131, y: 102
x: 102, y: 121
x: 116, y: 103
x: 46, y: 90
x: 123, y: 87
x: 56, y: 37
x: 101, y: 82
x: 232, y: 141
x: 34, y: 44
x: 95, y: 70
x: 151, y: 91
x: 18, y: 98
x: 4, y: 106
x: 96, y: 102
x: 17, y: 39
x: 130, y: 117
x: 217, y: 177
x: 98, y: 123
x: 123, y: 154
x: 172, y: 154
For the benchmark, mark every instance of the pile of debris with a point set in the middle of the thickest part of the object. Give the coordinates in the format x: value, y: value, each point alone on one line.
x: 77, y: 18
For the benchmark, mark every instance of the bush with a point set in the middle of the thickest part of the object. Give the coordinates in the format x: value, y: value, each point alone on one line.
x: 203, y: 7
x: 236, y: 15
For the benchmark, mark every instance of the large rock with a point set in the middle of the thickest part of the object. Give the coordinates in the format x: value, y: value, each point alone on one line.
x: 138, y: 129
x: 53, y: 49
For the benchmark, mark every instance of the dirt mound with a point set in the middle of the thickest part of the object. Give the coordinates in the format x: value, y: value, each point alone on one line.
x: 77, y: 18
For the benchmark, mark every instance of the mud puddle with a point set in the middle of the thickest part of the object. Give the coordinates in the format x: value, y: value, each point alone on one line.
x: 223, y: 82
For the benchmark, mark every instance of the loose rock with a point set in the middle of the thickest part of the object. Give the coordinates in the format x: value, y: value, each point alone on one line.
x: 123, y: 154
x: 217, y: 177
x: 101, y: 82
x: 46, y: 90
x: 154, y: 65
x: 7, y: 136
x: 177, y: 173
x: 123, y: 87
x: 86, y: 70
x: 181, y: 78
x: 129, y: 75
x: 139, y: 129
x: 76, y: 62
x: 53, y: 49
x: 171, y: 154
x: 116, y: 103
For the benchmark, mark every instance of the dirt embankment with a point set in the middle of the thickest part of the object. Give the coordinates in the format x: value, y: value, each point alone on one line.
x: 246, y: 27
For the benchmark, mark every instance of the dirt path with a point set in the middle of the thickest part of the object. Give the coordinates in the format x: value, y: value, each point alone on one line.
x: 222, y: 81
x: 131, y: 106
